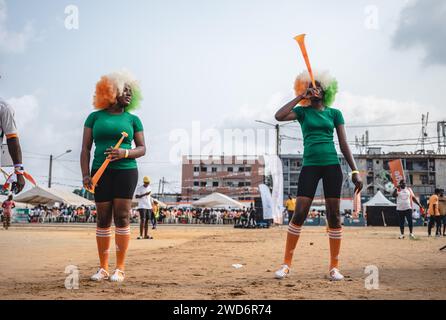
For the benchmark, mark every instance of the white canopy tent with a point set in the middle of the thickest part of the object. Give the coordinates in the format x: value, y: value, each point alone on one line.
x: 217, y: 200
x: 49, y: 197
x: 379, y: 200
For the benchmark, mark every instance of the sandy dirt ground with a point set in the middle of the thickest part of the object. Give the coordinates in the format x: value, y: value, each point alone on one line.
x: 187, y: 262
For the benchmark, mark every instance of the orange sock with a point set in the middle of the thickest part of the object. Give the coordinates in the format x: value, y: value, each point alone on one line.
x: 335, y: 236
x: 291, y: 242
x: 103, y: 239
x: 122, y: 239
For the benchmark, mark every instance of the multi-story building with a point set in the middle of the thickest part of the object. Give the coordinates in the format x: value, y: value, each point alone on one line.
x: 424, y: 172
x: 235, y: 176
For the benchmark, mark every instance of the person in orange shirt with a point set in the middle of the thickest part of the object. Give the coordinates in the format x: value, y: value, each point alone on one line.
x: 434, y: 213
x: 290, y: 206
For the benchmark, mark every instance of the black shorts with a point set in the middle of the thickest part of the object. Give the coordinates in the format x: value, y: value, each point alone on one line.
x: 145, y: 214
x: 331, y: 176
x: 116, y: 184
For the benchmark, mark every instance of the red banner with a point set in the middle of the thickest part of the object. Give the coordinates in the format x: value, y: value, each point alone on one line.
x: 397, y: 171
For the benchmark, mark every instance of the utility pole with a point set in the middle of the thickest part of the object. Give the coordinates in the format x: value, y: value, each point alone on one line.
x: 278, y: 141
x: 50, y: 174
x: 162, y: 190
x: 424, y: 135
x: 278, y: 137
x: 441, y: 134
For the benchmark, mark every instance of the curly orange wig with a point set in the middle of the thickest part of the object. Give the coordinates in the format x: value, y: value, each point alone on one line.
x: 111, y: 86
x: 328, y: 83
x: 106, y: 92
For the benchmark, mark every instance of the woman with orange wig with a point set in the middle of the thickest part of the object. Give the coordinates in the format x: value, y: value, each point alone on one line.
x: 116, y: 96
x: 313, y: 109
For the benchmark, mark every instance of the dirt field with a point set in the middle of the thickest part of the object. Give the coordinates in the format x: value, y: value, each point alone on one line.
x: 185, y: 262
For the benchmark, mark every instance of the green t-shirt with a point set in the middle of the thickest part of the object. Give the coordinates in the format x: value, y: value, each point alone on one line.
x: 107, y: 129
x: 317, y: 130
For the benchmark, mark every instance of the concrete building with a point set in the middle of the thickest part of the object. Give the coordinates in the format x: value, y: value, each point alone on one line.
x: 235, y: 176
x: 424, y: 172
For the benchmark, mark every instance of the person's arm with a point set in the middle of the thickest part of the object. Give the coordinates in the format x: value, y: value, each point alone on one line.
x: 415, y: 199
x: 87, y: 143
x: 345, y: 149
x: 395, y: 193
x: 138, y: 152
x: 9, y: 128
x: 286, y: 112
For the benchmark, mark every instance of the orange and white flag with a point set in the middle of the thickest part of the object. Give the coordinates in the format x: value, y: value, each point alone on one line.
x: 397, y: 171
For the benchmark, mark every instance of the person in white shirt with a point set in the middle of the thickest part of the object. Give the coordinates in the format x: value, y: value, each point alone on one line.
x: 143, y: 194
x: 404, y: 207
x: 8, y: 128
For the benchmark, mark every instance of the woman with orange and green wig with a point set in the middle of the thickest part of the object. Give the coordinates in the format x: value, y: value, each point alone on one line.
x: 117, y: 95
x: 312, y: 108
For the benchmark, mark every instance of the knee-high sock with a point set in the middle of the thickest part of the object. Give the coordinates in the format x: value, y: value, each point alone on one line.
x: 103, y: 239
x: 122, y: 239
x: 291, y: 242
x: 335, y: 236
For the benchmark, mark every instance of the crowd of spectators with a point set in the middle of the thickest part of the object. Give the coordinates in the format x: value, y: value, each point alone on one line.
x: 87, y: 214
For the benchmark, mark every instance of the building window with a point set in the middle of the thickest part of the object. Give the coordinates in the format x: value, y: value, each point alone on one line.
x: 230, y: 169
x: 424, y: 179
x: 230, y: 184
x: 241, y: 169
x: 196, y: 169
x: 241, y: 184
x: 196, y: 184
x: 203, y: 184
x: 248, y: 169
x: 248, y: 184
x: 204, y: 169
x: 215, y: 184
x: 369, y: 164
x: 214, y: 169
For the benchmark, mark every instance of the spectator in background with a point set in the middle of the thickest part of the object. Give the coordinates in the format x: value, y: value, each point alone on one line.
x: 290, y: 206
x: 156, y: 213
x: 7, y: 206
x: 145, y: 208
x: 404, y: 207
x: 434, y: 214
x: 442, y: 209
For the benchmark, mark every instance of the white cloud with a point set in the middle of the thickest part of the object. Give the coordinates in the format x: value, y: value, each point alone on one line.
x: 12, y: 41
x: 26, y: 109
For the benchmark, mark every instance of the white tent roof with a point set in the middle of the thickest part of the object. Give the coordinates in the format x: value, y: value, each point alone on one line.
x: 379, y: 200
x: 217, y: 200
x: 45, y: 196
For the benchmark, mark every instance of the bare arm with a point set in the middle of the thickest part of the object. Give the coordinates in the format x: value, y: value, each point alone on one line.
x: 138, y: 152
x: 16, y: 154
x: 286, y: 112
x: 417, y: 202
x: 87, y: 143
x: 15, y: 150
x: 345, y: 149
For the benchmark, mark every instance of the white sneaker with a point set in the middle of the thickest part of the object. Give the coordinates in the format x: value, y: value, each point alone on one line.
x: 100, y: 275
x: 412, y: 236
x: 283, y: 272
x: 335, y: 275
x: 118, y: 276
x: 402, y: 236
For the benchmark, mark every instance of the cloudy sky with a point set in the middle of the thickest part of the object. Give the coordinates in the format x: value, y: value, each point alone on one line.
x: 219, y: 65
